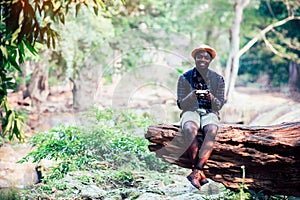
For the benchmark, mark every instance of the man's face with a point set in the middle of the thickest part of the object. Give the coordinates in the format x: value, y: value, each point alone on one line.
x: 202, y: 59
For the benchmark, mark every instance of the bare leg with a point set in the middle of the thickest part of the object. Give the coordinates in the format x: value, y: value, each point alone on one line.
x: 210, y: 132
x: 190, y: 130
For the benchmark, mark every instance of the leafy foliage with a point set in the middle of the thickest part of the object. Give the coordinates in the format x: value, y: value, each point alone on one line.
x: 63, y: 145
x: 10, y: 194
x: 260, y: 60
x: 112, y: 140
x: 12, y: 124
x: 22, y: 24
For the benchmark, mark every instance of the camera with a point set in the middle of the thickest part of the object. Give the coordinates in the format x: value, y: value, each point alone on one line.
x: 201, y: 93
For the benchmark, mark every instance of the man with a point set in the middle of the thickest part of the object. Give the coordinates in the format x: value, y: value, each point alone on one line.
x: 200, y: 95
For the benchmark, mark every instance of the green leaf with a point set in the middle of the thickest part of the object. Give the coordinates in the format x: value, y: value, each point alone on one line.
x: 48, y: 38
x: 53, y: 40
x: 14, y: 63
x: 21, y: 52
x: 10, y: 123
x: 96, y: 11
x: 16, y: 34
x: 77, y: 8
x: 10, y: 85
x: 19, y: 126
x: 30, y: 47
x: 4, y: 51
x: 42, y: 32
x: 102, y: 4
x: 61, y: 17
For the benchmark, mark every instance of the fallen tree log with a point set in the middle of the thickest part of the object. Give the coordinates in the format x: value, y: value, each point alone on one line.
x: 270, y: 155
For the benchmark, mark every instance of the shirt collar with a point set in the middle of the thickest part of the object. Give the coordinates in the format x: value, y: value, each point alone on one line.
x: 195, y: 73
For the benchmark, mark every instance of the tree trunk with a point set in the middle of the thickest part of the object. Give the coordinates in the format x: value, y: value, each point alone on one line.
x: 233, y: 60
x: 232, y: 68
x: 84, y: 86
x: 294, y: 80
x: 38, y: 88
x: 270, y: 154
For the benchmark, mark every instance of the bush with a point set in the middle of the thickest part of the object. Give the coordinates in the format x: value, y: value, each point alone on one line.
x: 113, y: 137
x: 63, y: 145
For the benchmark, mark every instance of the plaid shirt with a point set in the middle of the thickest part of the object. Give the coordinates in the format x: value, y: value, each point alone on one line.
x: 192, y: 80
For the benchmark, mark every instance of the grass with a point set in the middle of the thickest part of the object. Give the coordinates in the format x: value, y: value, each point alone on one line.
x: 9, y: 194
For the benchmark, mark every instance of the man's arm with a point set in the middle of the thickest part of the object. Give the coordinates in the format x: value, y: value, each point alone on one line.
x: 186, y: 99
x: 217, y: 99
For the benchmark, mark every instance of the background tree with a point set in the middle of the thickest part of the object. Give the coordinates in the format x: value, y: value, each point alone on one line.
x: 126, y: 31
x: 23, y: 23
x: 233, y: 59
x: 275, y: 23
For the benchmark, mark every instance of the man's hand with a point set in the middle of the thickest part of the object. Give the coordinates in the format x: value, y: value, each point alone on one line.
x: 209, y: 96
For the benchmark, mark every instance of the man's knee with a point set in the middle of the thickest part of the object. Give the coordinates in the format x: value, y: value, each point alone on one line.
x: 190, y: 127
x: 211, y: 129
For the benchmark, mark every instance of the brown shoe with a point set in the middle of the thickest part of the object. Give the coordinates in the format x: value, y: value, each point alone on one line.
x: 195, y: 178
x: 203, y: 179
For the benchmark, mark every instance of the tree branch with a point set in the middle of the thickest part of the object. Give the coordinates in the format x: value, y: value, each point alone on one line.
x: 264, y: 31
x: 270, y: 8
x: 275, y: 51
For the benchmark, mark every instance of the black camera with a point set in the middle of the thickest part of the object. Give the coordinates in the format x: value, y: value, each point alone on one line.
x: 201, y: 93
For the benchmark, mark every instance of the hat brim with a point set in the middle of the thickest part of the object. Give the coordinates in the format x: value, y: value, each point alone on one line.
x: 209, y: 49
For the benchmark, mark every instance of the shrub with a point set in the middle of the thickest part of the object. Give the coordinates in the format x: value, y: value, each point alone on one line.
x: 114, y: 137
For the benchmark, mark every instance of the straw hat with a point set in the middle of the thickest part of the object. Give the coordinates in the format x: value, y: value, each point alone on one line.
x: 207, y: 48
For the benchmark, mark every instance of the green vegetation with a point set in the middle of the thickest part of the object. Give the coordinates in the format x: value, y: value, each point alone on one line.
x: 108, y: 157
x: 109, y: 151
x: 112, y: 140
x: 9, y: 194
x: 130, y: 28
x: 112, y: 148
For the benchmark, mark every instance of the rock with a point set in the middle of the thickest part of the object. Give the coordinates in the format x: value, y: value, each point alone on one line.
x: 92, y: 192
x: 13, y: 174
x: 152, y: 196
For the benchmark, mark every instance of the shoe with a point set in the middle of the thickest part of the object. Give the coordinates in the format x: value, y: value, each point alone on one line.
x: 203, y: 179
x: 195, y: 178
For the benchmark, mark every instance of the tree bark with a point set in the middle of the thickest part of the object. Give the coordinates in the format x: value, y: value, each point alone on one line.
x: 232, y: 65
x: 233, y: 60
x: 38, y: 89
x: 270, y: 155
x: 294, y: 80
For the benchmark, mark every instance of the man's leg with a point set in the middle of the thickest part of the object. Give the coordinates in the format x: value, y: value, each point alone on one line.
x: 190, y: 124
x: 210, y: 131
x: 190, y: 131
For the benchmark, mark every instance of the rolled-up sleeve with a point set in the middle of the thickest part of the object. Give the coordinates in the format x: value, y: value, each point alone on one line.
x: 218, y: 100
x: 183, y: 89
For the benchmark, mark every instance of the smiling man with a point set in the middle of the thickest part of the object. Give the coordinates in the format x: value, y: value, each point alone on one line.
x: 200, y: 95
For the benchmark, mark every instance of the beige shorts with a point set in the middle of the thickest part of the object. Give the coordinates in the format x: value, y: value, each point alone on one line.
x: 203, y: 120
